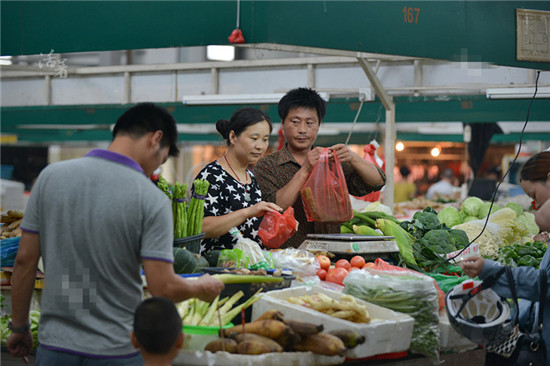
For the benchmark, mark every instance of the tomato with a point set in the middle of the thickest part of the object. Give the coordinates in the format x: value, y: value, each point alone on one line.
x: 368, y: 265
x: 322, y: 274
x: 324, y: 261
x: 343, y: 263
x: 337, y: 275
x: 357, y: 261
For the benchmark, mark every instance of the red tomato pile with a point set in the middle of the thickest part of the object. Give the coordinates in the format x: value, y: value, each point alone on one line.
x: 337, y: 272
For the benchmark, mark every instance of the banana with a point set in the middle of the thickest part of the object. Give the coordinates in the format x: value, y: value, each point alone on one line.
x: 273, y: 346
x: 289, y: 339
x: 303, y: 328
x: 253, y: 348
x: 323, y: 344
x: 226, y: 344
x: 269, y: 328
x: 351, y: 338
x: 271, y: 314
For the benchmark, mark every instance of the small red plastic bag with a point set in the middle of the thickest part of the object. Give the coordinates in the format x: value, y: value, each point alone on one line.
x: 372, y: 156
x: 277, y: 228
x: 325, y: 194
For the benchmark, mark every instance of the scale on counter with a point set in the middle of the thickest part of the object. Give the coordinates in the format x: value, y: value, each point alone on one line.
x: 351, y: 244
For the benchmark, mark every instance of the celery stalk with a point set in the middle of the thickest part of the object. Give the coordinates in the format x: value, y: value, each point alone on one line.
x: 228, y: 278
x: 209, y: 314
x: 229, y: 304
x: 226, y: 318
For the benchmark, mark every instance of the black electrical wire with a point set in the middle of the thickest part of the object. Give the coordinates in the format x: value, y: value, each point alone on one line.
x: 505, y: 174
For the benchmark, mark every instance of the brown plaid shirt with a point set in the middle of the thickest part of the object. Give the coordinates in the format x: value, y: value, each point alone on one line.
x: 274, y: 171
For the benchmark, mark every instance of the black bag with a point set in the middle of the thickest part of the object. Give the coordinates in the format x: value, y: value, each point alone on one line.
x: 521, y: 347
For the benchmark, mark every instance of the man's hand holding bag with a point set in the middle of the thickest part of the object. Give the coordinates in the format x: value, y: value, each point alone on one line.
x: 325, y: 194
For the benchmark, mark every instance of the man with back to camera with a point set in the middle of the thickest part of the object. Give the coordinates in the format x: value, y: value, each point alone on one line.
x: 282, y: 174
x: 95, y: 220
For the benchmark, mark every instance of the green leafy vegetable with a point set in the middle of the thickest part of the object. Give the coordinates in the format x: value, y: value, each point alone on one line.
x: 450, y: 216
x: 471, y: 206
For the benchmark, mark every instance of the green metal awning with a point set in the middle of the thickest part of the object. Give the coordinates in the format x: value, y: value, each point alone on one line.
x: 474, y: 31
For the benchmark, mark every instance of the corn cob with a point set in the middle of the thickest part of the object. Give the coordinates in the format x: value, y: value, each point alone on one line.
x: 365, y: 230
x: 403, y: 239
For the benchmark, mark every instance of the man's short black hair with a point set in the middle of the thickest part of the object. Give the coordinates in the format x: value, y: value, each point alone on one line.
x: 302, y: 97
x: 147, y: 117
x: 157, y: 325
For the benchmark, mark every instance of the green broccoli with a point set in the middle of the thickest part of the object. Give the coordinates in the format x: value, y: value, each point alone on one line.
x: 460, y: 239
x: 428, y: 219
x: 439, y: 241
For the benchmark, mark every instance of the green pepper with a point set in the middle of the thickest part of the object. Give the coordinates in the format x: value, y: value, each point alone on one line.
x: 524, y: 250
x: 508, y: 252
x: 528, y: 260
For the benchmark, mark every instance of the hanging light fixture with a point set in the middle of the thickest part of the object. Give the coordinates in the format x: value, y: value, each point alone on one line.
x: 399, y: 146
x: 436, y: 151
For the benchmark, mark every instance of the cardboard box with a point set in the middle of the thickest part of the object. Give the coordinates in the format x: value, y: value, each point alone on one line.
x: 388, y: 331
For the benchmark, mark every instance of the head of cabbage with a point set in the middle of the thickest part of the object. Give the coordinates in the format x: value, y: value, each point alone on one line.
x: 484, y: 209
x: 449, y: 216
x: 471, y: 206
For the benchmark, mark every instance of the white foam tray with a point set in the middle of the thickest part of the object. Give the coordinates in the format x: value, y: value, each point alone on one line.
x: 388, y: 331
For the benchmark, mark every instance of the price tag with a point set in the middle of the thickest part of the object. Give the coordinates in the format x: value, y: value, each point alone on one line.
x: 471, y: 251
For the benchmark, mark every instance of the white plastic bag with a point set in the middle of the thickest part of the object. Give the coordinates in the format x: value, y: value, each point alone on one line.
x: 300, y: 261
x: 250, y: 249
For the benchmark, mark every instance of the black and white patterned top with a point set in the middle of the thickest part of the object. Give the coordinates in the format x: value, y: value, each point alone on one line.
x: 226, y: 195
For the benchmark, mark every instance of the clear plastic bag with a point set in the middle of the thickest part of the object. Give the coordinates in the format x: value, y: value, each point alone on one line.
x: 300, y: 261
x: 251, y: 250
x: 406, y: 293
x: 276, y: 228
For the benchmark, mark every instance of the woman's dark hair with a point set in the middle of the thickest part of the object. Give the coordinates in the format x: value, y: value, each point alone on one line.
x: 537, y: 167
x: 157, y: 325
x: 147, y: 117
x: 302, y: 97
x: 241, y: 119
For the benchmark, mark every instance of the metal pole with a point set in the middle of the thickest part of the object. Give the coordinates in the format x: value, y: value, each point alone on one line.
x: 389, y: 154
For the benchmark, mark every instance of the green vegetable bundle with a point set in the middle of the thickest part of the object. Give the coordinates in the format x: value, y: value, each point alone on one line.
x: 179, y: 208
x: 196, y: 206
x: 405, y: 293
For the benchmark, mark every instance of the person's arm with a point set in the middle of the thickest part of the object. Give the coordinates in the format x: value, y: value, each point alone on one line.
x: 215, y: 226
x: 368, y: 172
x: 287, y: 195
x: 23, y: 278
x: 542, y: 216
x: 162, y: 281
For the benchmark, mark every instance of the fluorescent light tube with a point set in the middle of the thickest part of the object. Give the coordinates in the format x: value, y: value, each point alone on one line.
x: 237, y: 98
x: 517, y: 93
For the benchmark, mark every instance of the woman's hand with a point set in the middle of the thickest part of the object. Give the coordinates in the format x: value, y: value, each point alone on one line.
x: 260, y: 208
x: 472, y: 266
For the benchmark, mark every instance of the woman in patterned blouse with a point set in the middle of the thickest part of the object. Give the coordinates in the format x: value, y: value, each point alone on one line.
x: 234, y: 198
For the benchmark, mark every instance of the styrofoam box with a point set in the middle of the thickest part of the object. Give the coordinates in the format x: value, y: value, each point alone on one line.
x: 450, y: 339
x: 196, y: 358
x: 387, y: 332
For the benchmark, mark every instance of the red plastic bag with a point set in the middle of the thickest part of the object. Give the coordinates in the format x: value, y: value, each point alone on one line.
x: 325, y: 194
x: 372, y: 156
x: 276, y: 228
x: 381, y: 265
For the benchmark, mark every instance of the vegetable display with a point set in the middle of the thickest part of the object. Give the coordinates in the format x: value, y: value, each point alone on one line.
x: 272, y: 332
x: 195, y: 213
x: 529, y: 254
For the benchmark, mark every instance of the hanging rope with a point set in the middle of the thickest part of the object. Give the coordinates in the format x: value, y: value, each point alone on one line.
x: 238, y: 12
x: 354, y: 121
